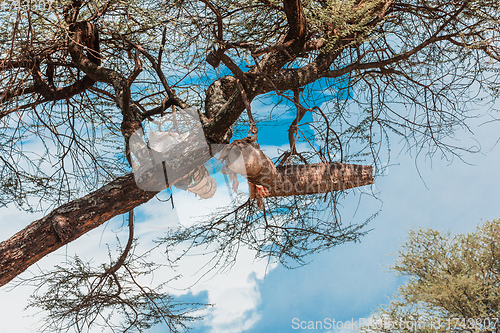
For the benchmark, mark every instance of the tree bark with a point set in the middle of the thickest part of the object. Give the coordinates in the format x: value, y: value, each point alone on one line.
x: 67, y: 223
x: 74, y: 219
x: 319, y: 178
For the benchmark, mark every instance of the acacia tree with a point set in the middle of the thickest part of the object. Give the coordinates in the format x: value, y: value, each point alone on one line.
x: 79, y: 78
x: 453, y: 283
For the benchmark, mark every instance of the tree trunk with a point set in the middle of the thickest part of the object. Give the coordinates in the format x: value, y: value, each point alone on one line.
x: 78, y: 217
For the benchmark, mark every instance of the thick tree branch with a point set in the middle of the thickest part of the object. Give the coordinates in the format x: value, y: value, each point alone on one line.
x: 286, y: 79
x: 319, y: 178
x: 268, y: 65
x: 54, y: 94
x: 132, y: 117
x: 219, y: 18
x: 67, y: 223
x: 296, y: 19
x: 383, y: 63
x: 7, y: 95
x: 292, y: 130
x: 173, y: 98
x: 11, y: 64
x: 74, y: 219
x: 291, y: 78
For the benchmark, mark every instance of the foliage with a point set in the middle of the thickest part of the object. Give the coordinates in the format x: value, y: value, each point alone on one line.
x: 453, y: 282
x: 338, y: 19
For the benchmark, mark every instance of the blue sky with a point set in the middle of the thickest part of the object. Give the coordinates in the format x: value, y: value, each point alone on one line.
x: 346, y: 283
x: 350, y: 281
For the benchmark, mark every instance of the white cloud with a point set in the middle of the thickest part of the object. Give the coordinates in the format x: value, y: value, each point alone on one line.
x: 191, y: 209
x: 236, y: 296
x: 13, y: 302
x: 91, y: 246
x: 235, y: 293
